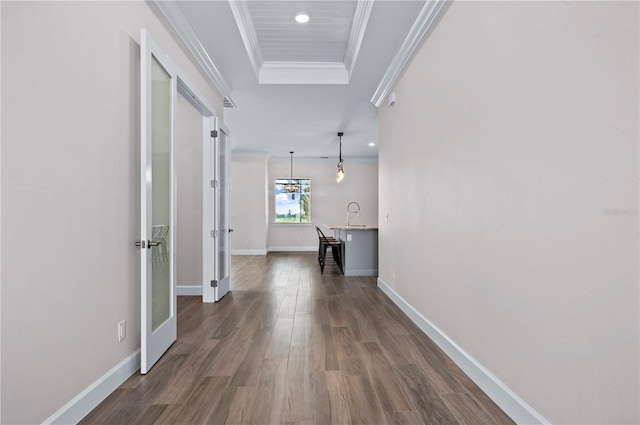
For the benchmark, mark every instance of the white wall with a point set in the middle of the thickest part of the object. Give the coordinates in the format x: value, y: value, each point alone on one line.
x: 188, y: 157
x: 328, y: 199
x: 249, y: 205
x: 70, y: 134
x: 509, y: 169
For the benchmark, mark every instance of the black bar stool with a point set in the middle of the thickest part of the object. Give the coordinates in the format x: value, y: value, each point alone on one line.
x: 325, y: 242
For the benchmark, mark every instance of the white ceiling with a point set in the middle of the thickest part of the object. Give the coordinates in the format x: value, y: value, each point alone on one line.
x: 248, y: 40
x: 323, y: 39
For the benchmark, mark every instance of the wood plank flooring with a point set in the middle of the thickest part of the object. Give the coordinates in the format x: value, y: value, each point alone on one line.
x: 291, y: 346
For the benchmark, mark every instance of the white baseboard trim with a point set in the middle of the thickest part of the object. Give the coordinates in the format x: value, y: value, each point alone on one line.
x: 502, y: 395
x: 363, y: 272
x: 293, y: 248
x: 248, y: 252
x: 189, y: 290
x: 94, y: 394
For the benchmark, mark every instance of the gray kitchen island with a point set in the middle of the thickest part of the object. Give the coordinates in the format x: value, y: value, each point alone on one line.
x: 359, y: 248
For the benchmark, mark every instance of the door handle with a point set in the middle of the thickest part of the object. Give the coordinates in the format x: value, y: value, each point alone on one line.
x: 153, y: 243
x: 230, y: 230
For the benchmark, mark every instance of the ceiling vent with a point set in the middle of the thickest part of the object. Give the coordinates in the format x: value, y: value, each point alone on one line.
x: 228, y: 103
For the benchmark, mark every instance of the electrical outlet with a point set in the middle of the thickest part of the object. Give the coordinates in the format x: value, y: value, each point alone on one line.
x: 393, y: 274
x: 122, y: 330
x: 348, y: 237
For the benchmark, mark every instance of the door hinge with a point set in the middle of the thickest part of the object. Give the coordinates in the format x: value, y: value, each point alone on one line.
x: 214, y: 283
x: 214, y: 233
x: 214, y: 183
x: 214, y: 133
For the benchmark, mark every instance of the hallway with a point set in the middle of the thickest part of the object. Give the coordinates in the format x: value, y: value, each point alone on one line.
x: 289, y: 345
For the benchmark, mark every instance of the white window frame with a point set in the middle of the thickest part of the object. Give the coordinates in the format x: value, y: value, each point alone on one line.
x: 275, y: 204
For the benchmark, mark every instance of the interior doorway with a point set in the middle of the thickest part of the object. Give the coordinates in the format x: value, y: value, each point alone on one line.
x: 189, y: 182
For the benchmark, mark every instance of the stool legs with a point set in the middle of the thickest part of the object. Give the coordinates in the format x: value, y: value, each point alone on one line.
x: 335, y: 251
x: 322, y: 256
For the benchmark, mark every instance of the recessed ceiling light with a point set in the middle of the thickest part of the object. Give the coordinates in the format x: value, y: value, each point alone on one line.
x: 302, y: 17
x: 372, y: 143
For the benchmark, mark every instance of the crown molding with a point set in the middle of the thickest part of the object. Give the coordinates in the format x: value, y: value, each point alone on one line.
x: 172, y: 12
x: 303, y: 73
x: 244, y: 21
x: 425, y: 20
x: 360, y: 20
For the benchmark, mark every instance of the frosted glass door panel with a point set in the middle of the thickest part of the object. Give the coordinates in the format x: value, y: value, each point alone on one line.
x: 223, y: 252
x: 161, y: 194
x: 224, y: 216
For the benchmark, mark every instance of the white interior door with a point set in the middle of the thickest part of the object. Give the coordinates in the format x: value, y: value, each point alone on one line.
x: 222, y: 211
x: 157, y: 218
x: 209, y: 250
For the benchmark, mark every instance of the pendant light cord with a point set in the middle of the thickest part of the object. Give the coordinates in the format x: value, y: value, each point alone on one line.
x: 291, y: 168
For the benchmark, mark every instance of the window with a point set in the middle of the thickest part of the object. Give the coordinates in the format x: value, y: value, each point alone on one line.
x: 293, y: 207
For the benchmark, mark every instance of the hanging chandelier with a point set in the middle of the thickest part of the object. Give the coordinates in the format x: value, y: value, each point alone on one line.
x: 293, y: 186
x: 340, y: 174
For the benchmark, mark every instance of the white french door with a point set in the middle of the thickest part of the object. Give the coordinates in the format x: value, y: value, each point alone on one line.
x: 216, y: 214
x: 222, y: 211
x: 157, y: 209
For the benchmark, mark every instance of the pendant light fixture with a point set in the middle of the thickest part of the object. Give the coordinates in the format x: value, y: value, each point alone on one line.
x: 292, y: 187
x: 340, y: 174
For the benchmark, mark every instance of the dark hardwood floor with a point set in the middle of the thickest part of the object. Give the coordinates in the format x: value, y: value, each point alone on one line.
x: 291, y: 346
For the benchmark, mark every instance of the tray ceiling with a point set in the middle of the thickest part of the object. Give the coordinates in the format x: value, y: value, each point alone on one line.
x: 283, y: 51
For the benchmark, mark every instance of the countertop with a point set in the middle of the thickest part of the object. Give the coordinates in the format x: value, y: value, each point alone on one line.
x: 351, y: 227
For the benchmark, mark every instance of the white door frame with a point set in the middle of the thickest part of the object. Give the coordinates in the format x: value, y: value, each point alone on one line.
x: 208, y: 169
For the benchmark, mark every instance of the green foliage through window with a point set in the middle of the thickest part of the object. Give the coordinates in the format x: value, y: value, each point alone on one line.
x: 293, y: 207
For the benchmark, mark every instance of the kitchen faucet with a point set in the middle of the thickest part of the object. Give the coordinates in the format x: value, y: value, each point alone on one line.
x: 349, y: 211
